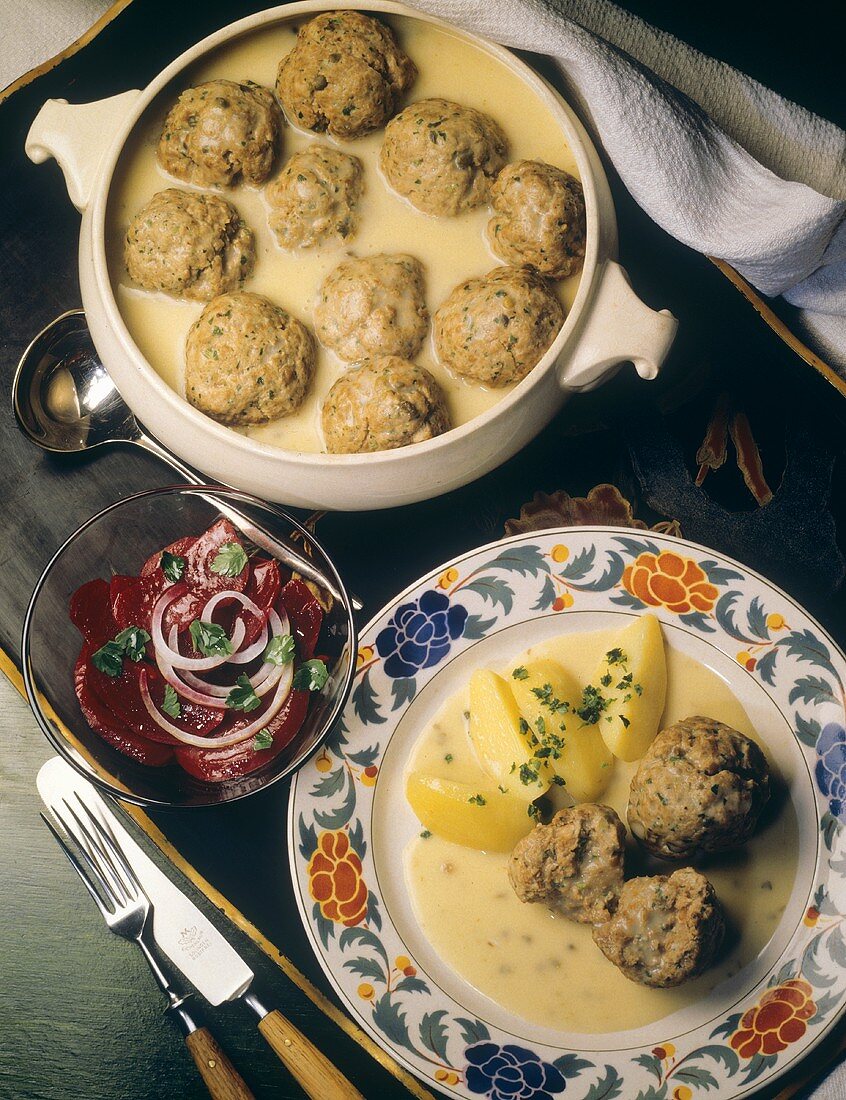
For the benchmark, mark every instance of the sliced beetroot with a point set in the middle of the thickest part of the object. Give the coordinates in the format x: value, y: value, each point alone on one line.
x: 263, y: 589
x: 305, y: 613
x: 91, y: 612
x: 104, y: 721
x: 122, y: 695
x: 186, y: 607
x: 179, y: 549
x: 199, y: 575
x: 217, y: 765
x: 133, y: 599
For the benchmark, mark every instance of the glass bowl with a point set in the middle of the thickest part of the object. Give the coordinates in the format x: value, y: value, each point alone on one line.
x: 118, y: 540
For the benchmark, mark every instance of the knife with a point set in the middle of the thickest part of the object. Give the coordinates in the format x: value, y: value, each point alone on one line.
x: 193, y: 944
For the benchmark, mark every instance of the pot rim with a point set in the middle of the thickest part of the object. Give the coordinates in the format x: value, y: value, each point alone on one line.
x: 579, y: 144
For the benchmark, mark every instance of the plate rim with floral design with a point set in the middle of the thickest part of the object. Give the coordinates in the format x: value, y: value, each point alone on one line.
x: 336, y: 888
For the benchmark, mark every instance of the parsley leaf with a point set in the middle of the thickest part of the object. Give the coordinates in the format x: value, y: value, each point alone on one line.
x: 170, y: 704
x: 521, y: 673
x: 132, y: 641
x: 279, y: 650
x: 109, y: 659
x: 262, y: 740
x: 591, y: 706
x: 478, y: 800
x: 242, y: 696
x: 311, y: 676
x: 230, y: 560
x: 209, y: 638
x: 172, y: 565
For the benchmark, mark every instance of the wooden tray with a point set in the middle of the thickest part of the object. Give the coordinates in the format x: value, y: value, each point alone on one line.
x: 238, y: 852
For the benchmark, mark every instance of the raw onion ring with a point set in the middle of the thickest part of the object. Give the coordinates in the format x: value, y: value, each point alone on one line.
x: 173, y: 656
x: 237, y: 736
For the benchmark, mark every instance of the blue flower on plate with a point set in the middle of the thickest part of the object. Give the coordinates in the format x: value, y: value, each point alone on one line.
x: 511, y: 1073
x: 420, y: 634
x: 831, y: 767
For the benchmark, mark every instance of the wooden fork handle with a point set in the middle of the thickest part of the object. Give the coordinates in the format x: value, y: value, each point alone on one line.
x: 223, y: 1081
x: 319, y: 1078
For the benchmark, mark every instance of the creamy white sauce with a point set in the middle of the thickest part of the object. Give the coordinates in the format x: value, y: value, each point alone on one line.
x: 540, y: 966
x: 450, y: 249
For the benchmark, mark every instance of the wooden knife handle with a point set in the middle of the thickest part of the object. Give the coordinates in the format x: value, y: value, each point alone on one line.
x: 309, y: 1066
x: 223, y: 1081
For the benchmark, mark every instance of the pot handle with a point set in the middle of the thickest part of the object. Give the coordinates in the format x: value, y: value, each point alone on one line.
x: 620, y: 328
x: 77, y: 135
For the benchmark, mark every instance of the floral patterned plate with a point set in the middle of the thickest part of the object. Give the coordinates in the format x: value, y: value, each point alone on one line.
x: 349, y: 821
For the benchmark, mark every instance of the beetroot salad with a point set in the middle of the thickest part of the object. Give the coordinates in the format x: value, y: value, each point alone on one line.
x: 205, y: 659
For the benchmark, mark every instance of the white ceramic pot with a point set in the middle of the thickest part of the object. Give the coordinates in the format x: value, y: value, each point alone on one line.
x: 606, y: 326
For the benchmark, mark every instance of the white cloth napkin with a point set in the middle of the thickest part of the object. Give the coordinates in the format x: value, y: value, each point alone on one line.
x: 716, y: 159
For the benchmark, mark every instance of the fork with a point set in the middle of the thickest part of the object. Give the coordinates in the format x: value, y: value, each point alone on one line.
x: 113, y: 885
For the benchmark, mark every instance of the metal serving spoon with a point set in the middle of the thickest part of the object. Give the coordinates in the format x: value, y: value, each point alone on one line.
x: 66, y: 403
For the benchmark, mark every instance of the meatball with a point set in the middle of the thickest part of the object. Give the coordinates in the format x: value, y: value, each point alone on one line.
x: 247, y: 361
x: 441, y: 156
x: 345, y: 75
x: 188, y: 244
x: 373, y: 306
x: 575, y: 863
x: 539, y: 218
x: 700, y: 787
x: 665, y: 930
x: 220, y: 132
x: 383, y: 403
x: 496, y: 328
x: 313, y: 200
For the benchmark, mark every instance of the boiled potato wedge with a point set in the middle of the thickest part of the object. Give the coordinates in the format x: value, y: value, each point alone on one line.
x: 632, y: 676
x: 502, y: 742
x: 474, y: 816
x: 583, y: 761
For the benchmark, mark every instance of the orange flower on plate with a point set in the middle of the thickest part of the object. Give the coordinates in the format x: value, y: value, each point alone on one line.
x: 778, y: 1020
x: 335, y: 881
x: 670, y: 580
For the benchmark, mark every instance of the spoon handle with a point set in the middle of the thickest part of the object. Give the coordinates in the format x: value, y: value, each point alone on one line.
x: 148, y: 443
x: 272, y: 543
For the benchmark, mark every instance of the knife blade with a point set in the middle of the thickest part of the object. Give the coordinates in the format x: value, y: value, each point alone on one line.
x: 195, y: 946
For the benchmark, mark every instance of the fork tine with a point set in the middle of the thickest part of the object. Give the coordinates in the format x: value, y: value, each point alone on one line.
x: 77, y: 865
x: 105, y: 831
x: 93, y: 869
x: 89, y: 846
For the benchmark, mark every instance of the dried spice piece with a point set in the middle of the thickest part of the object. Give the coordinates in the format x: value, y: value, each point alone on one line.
x: 749, y: 458
x: 712, y: 452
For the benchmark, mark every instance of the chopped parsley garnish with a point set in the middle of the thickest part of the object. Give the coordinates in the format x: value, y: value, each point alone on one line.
x: 501, y: 789
x: 616, y: 657
x: 170, y: 704
x: 478, y: 800
x: 311, y: 675
x: 558, y: 781
x: 591, y: 706
x: 533, y: 811
x: 242, y: 696
x: 425, y: 834
x: 109, y: 659
x: 626, y: 721
x: 209, y: 639
x: 279, y: 650
x: 133, y: 641
x: 548, y: 699
x: 521, y: 673
x: 262, y: 740
x: 130, y: 642
x: 172, y: 565
x: 448, y: 758
x: 230, y: 560
x: 606, y: 680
